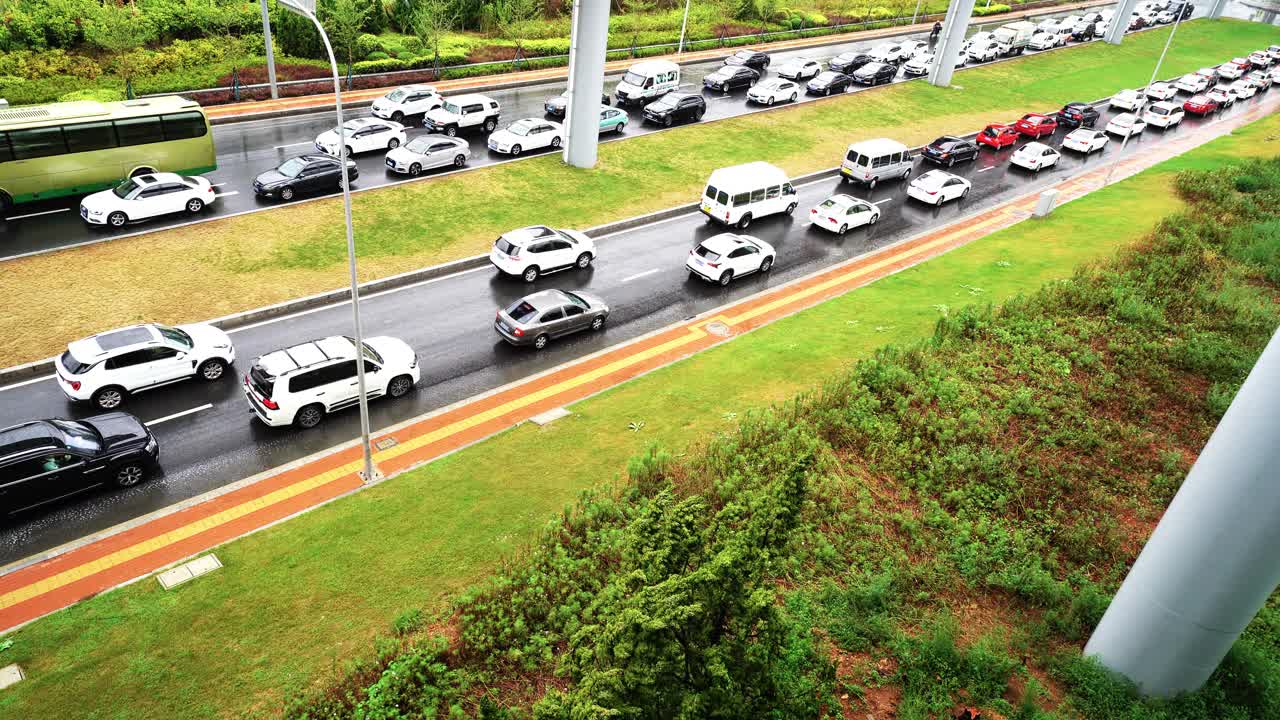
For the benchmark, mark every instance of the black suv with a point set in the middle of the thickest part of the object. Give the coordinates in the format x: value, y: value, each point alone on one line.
x: 1077, y: 114
x: 751, y: 58
x: 1181, y: 8
x: 875, y: 73
x: 302, y: 175
x: 47, y: 460
x: 1084, y: 31
x: 949, y: 150
x: 674, y: 107
x: 848, y: 62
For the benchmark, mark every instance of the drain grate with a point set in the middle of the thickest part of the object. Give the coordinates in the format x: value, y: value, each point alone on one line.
x: 386, y: 442
x: 719, y: 328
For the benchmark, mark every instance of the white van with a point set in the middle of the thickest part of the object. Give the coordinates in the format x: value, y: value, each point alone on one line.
x: 646, y: 81
x: 742, y: 193
x: 871, y: 161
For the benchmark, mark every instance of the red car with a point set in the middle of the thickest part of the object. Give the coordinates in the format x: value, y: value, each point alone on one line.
x: 998, y: 136
x: 1036, y: 125
x: 1200, y: 105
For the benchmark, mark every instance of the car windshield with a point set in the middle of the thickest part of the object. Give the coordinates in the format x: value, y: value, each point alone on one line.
x: 291, y: 167
x: 78, y: 435
x: 633, y: 78
x: 520, y: 129
x: 664, y: 103
x: 577, y: 300
x: 522, y: 311
x: 123, y: 189
x: 826, y: 77
x: 744, y: 54
x: 419, y: 144
x: 176, y: 336
x: 396, y: 95
x: 451, y: 108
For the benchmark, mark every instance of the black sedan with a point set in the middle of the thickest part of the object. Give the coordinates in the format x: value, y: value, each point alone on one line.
x: 558, y: 105
x: 731, y: 77
x: 302, y: 175
x: 675, y: 107
x: 848, y: 62
x: 47, y: 460
x: 828, y: 83
x: 875, y: 73
x: 1078, y: 114
x: 949, y: 150
x: 750, y: 58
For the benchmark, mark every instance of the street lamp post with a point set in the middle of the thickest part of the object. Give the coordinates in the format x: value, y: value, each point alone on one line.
x: 683, y: 24
x: 914, y: 15
x: 306, y: 8
x: 1142, y: 102
x: 271, y: 55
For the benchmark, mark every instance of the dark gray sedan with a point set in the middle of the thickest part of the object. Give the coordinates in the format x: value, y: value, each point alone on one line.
x: 536, y: 319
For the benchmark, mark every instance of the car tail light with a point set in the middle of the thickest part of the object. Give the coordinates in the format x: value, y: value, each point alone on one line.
x: 75, y: 384
x: 270, y: 404
x: 517, y: 332
x: 726, y: 216
x: 831, y: 219
x: 931, y: 192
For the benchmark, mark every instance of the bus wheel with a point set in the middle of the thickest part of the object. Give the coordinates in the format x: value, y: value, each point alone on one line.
x: 6, y: 204
x: 141, y: 171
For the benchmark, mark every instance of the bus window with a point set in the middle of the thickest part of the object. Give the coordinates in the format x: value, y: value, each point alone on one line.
x: 182, y: 126
x: 90, y: 136
x: 139, y: 131
x: 37, y: 143
x: 5, y: 152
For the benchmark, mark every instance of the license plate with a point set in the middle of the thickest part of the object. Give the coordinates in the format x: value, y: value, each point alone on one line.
x: 504, y: 326
x: 699, y: 261
x: 391, y: 163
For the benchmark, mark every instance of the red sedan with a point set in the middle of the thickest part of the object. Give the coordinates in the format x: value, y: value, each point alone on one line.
x: 1200, y: 105
x: 1036, y: 125
x: 998, y: 136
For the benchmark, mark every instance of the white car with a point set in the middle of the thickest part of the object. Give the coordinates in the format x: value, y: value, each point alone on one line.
x: 301, y: 384
x: 1161, y: 91
x: 1243, y: 89
x: 363, y: 135
x: 921, y: 64
x: 984, y: 51
x: 407, y: 100
x: 426, y: 152
x: 938, y: 186
x: 1273, y: 51
x: 889, y: 52
x: 771, y: 91
x: 1164, y: 17
x: 1192, y: 83
x: 463, y: 112
x: 799, y: 69
x: 974, y: 39
x: 1127, y: 99
x: 1043, y: 41
x: 1260, y: 58
x: 1230, y: 71
x: 106, y: 368
x: 1223, y: 95
x: 913, y: 48
x: 528, y: 134
x: 841, y: 213
x: 721, y: 258
x: 147, y: 196
x: 1048, y: 26
x: 1163, y: 115
x: 1126, y: 125
x: 1211, y: 73
x: 537, y: 250
x: 1260, y: 79
x: 1085, y: 140
x: 1035, y: 156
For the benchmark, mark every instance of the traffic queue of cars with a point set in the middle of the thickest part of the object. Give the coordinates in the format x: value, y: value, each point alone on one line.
x: 301, y: 384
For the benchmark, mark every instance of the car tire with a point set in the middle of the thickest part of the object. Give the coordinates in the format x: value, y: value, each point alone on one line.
x: 767, y: 264
x: 399, y: 386
x: 584, y: 261
x: 668, y: 121
x: 393, y: 143
x: 951, y: 163
x: 530, y: 274
x: 195, y: 205
x: 415, y: 170
x: 875, y: 218
x: 309, y: 416
x: 794, y: 97
x: 129, y: 473
x: 452, y: 130
x: 349, y: 154
x: 874, y: 182
x: 555, y: 142
x: 117, y: 219
x: 516, y: 150
x: 826, y: 92
x: 541, y: 341
x: 459, y: 160
x: 212, y: 369
x: 697, y: 116
x: 490, y: 124
x: 964, y: 194
x: 397, y: 116
x: 744, y: 221
x: 791, y: 208
x: 843, y: 229
x: 726, y: 277
x: 109, y: 397
x: 6, y: 204
x: 769, y: 101
x: 906, y: 175
x: 619, y: 128
x: 597, y: 323
x: 286, y: 193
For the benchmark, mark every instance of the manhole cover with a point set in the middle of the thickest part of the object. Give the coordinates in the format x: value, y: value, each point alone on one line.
x: 719, y: 328
x: 386, y: 442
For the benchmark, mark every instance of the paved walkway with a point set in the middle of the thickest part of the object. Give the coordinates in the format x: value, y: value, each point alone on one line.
x: 79, y: 572
x: 246, y: 110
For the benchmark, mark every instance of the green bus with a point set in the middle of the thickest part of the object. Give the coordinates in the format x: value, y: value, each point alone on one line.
x: 74, y: 148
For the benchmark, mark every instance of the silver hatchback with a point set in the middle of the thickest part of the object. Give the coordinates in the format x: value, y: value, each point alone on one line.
x: 536, y: 319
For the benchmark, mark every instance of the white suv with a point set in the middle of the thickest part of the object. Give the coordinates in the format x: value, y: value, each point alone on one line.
x: 407, y: 100
x: 538, y: 250
x: 462, y: 113
x: 106, y: 368
x: 301, y: 384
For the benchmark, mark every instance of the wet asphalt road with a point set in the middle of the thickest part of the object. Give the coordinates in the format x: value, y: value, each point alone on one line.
x: 449, y: 322
x: 248, y: 148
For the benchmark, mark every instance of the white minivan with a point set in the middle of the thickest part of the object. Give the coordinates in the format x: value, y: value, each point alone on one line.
x: 742, y: 193
x: 646, y: 81
x: 871, y: 161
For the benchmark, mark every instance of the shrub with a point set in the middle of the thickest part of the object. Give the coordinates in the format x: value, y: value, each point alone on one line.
x: 98, y: 94
x: 995, y: 9
x: 367, y: 45
x: 379, y: 55
x: 378, y: 66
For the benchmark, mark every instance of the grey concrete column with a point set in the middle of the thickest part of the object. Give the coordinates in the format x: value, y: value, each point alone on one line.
x: 588, y: 44
x: 954, y: 28
x: 1120, y: 23
x: 1215, y: 10
x: 1212, y: 561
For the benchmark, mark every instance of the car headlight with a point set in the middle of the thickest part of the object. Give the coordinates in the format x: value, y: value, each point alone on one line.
x: 152, y: 445
x: 95, y: 213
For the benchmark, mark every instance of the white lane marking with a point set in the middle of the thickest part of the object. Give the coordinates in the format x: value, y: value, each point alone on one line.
x: 993, y: 167
x: 217, y: 184
x: 167, y: 418
x: 637, y: 276
x: 881, y: 202
x: 42, y: 378
x: 226, y: 194
x: 37, y: 214
x: 304, y: 142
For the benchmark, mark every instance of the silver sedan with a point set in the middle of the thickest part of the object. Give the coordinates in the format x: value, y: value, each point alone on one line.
x: 536, y: 319
x: 428, y: 151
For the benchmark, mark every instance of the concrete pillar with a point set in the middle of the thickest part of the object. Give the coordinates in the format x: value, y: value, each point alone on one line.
x: 1120, y: 23
x: 1212, y: 561
x: 954, y: 27
x: 1215, y: 10
x: 588, y: 44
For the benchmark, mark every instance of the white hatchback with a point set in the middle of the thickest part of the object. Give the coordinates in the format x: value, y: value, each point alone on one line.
x: 1043, y: 41
x: 799, y: 69
x: 841, y: 213
x: 1230, y: 71
x: 362, y: 135
x: 938, y: 186
x: 1035, y: 156
x: 108, y: 367
x: 1192, y: 83
x: 1126, y: 125
x: 147, y: 196
x: 1127, y: 99
x: 407, y: 100
x: 1243, y: 89
x: 771, y: 91
x: 1085, y: 140
x: 528, y: 134
x: 537, y: 250
x: 1163, y: 115
x: 721, y: 258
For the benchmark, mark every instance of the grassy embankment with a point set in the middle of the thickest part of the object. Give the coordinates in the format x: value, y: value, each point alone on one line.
x: 228, y: 265
x: 297, y: 600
